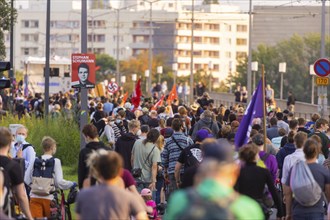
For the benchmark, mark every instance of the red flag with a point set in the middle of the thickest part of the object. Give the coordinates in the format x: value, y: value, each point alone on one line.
x: 124, y: 99
x: 173, y: 95
x: 159, y: 103
x: 97, y: 68
x: 136, y: 97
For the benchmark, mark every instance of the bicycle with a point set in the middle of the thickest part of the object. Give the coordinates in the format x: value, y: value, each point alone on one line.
x: 60, y: 207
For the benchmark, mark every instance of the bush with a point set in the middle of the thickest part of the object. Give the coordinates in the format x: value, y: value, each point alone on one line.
x: 65, y: 132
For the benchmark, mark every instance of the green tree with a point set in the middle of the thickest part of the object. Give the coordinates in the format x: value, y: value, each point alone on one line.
x: 106, y: 65
x: 5, y: 12
x: 298, y: 52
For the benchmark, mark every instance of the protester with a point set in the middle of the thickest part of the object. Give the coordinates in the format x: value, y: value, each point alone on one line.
x: 252, y: 180
x: 173, y: 147
x: 39, y: 203
x: 125, y: 143
x: 321, y: 127
x: 108, y: 200
x: 23, y: 149
x: 206, y: 121
x: 15, y: 174
x: 91, y: 138
x: 295, y: 210
x: 146, y: 156
x: 213, y: 196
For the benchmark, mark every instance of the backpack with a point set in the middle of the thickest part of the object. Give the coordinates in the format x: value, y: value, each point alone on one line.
x: 306, y: 191
x: 203, y: 208
x: 43, y: 183
x: 191, y: 159
x: 9, y: 202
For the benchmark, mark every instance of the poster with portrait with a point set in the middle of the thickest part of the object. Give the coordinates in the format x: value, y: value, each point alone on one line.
x: 82, y: 70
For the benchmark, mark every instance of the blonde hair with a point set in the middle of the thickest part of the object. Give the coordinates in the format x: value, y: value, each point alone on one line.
x: 47, y: 143
x: 160, y: 142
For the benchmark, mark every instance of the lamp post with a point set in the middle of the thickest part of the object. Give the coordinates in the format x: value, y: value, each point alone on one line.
x: 159, y: 72
x: 312, y: 73
x: 254, y: 69
x: 134, y: 79
x: 150, y: 43
x: 147, y: 74
x: 191, y: 98
x: 175, y: 69
x: 282, y: 69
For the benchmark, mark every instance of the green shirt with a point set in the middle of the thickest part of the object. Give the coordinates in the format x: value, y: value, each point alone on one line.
x: 243, y: 208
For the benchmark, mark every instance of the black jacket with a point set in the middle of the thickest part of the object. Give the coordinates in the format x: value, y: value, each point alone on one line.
x: 83, y: 170
x: 124, y: 146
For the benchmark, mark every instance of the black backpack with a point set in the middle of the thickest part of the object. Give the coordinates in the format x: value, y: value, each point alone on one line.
x: 191, y: 159
x: 203, y: 208
x: 9, y: 202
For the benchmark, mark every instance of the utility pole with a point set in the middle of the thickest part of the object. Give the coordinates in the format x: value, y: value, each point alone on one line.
x: 250, y: 54
x: 11, y: 71
x: 322, y: 90
x: 150, y: 49
x: 47, y: 68
x: 191, y: 98
x: 118, y: 81
x: 83, y: 91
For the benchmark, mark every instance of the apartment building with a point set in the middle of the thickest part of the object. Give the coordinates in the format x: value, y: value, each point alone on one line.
x: 220, y: 35
x: 272, y: 24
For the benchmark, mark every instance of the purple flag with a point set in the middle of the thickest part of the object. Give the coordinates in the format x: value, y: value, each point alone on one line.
x: 254, y: 110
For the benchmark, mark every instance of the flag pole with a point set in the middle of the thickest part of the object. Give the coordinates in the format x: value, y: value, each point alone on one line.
x: 264, y: 104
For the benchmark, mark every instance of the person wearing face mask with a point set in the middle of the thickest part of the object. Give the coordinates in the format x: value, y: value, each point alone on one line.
x: 40, y: 204
x: 23, y: 149
x: 321, y: 126
x: 118, y: 127
x: 92, y: 139
x: 125, y: 142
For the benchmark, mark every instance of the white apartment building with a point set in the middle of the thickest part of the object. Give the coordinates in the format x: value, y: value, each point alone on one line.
x: 220, y: 35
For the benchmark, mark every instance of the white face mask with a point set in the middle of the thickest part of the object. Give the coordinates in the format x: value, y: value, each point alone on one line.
x: 20, y: 138
x: 138, y: 133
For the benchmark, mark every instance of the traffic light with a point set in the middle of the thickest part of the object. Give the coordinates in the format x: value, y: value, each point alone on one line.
x: 4, y: 83
x: 4, y: 66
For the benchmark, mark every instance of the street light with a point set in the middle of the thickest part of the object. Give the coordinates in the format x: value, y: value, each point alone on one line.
x: 312, y: 73
x: 254, y: 69
x: 150, y: 43
x: 159, y: 72
x: 123, y: 79
x: 175, y: 69
x: 134, y: 77
x: 282, y: 69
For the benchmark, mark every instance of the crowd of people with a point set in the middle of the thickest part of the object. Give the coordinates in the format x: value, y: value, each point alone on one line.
x: 176, y: 161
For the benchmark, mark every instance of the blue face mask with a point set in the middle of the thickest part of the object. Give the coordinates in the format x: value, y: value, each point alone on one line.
x: 20, y: 138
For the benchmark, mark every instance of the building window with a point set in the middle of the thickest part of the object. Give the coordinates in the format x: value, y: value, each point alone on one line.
x: 241, y: 28
x: 25, y: 37
x: 25, y: 23
x: 241, y: 41
x: 170, y: 5
x: 228, y: 54
x: 34, y: 24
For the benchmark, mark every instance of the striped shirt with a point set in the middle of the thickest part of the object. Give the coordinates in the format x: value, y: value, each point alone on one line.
x: 172, y: 151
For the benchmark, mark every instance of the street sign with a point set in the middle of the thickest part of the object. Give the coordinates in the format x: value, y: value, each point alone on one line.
x: 113, y: 87
x: 322, y: 81
x: 322, y: 67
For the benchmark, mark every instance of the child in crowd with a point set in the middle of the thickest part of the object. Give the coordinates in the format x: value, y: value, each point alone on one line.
x: 147, y: 196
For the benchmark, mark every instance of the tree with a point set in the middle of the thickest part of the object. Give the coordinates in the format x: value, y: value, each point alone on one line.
x: 107, y: 66
x: 5, y: 12
x: 298, y: 52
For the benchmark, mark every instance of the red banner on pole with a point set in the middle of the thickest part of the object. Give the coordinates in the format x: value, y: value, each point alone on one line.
x: 83, y: 70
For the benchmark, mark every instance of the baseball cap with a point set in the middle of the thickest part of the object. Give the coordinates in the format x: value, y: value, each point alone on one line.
x: 168, y: 132
x: 202, y: 134
x: 146, y: 192
x: 220, y: 150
